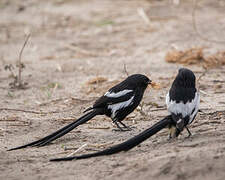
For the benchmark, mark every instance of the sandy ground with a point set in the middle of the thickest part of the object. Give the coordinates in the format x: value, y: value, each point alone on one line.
x: 73, y: 42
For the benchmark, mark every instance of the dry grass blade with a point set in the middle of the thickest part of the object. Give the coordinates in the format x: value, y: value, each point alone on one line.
x: 66, y: 119
x: 159, y: 109
x: 143, y: 15
x: 29, y: 111
x: 20, y: 64
x: 202, y: 75
x: 53, y: 101
x: 125, y: 69
x: 18, y: 125
x: 18, y: 83
x: 101, y: 127
x: 205, y: 93
x: 79, y: 149
x: 188, y: 145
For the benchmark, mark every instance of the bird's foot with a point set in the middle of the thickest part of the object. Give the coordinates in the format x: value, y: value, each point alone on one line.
x: 189, y: 133
x: 171, y: 138
x: 189, y: 136
x: 123, y: 128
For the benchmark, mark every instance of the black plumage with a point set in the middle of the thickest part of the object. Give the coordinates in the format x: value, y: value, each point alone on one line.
x: 182, y: 103
x: 116, y: 103
x: 183, y: 87
x: 127, y: 145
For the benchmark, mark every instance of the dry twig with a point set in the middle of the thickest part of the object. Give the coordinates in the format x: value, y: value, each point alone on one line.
x: 125, y: 69
x: 100, y: 127
x: 143, y: 15
x: 21, y: 84
x: 71, y: 154
x: 17, y: 83
x: 29, y: 111
x: 159, y: 109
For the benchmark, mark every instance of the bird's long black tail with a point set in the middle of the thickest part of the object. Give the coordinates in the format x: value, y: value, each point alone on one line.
x: 60, y: 132
x: 127, y: 145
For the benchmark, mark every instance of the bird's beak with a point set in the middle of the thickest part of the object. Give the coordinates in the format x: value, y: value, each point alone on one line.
x: 149, y: 82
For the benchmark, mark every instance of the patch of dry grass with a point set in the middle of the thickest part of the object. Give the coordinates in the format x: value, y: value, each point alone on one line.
x: 195, y: 56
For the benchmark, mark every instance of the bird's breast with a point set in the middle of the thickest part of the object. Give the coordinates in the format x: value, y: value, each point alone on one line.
x: 186, y: 109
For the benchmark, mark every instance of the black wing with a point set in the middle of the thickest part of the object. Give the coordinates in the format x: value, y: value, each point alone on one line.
x: 113, y: 98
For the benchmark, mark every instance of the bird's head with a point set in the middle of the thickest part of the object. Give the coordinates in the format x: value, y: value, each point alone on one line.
x: 139, y: 80
x: 185, y: 78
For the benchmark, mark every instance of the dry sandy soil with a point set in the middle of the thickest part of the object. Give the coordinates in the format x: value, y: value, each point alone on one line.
x: 73, y: 42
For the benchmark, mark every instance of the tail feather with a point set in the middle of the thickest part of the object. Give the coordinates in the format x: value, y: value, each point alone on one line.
x: 60, y: 132
x: 88, y: 109
x: 127, y: 145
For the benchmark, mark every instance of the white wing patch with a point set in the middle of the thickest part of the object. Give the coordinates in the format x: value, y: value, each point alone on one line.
x: 118, y: 94
x: 184, y: 109
x: 197, y: 101
x: 115, y: 107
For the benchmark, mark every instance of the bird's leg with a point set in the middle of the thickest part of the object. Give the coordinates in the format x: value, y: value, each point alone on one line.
x: 124, y: 125
x: 169, y: 136
x: 189, y: 132
x: 119, y: 128
x: 172, y: 133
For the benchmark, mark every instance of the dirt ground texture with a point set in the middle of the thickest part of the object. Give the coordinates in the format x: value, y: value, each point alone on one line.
x: 74, y: 42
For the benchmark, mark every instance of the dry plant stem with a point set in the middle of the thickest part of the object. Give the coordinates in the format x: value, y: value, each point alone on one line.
x: 199, y: 78
x: 202, y: 75
x: 125, y: 69
x: 71, y: 154
x: 99, y: 127
x: 159, y: 109
x: 67, y: 98
x: 143, y: 15
x: 215, y: 112
x: 189, y: 145
x: 66, y: 119
x: 205, y: 93
x: 194, y: 4
x: 27, y: 111
x: 19, y: 61
x: 52, y: 101
x: 69, y: 148
x: 18, y: 125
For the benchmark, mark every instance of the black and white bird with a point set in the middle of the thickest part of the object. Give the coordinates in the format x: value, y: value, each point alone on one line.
x: 116, y: 103
x: 182, y: 103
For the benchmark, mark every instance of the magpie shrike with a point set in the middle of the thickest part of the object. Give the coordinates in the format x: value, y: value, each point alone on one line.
x: 116, y: 103
x: 182, y: 103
